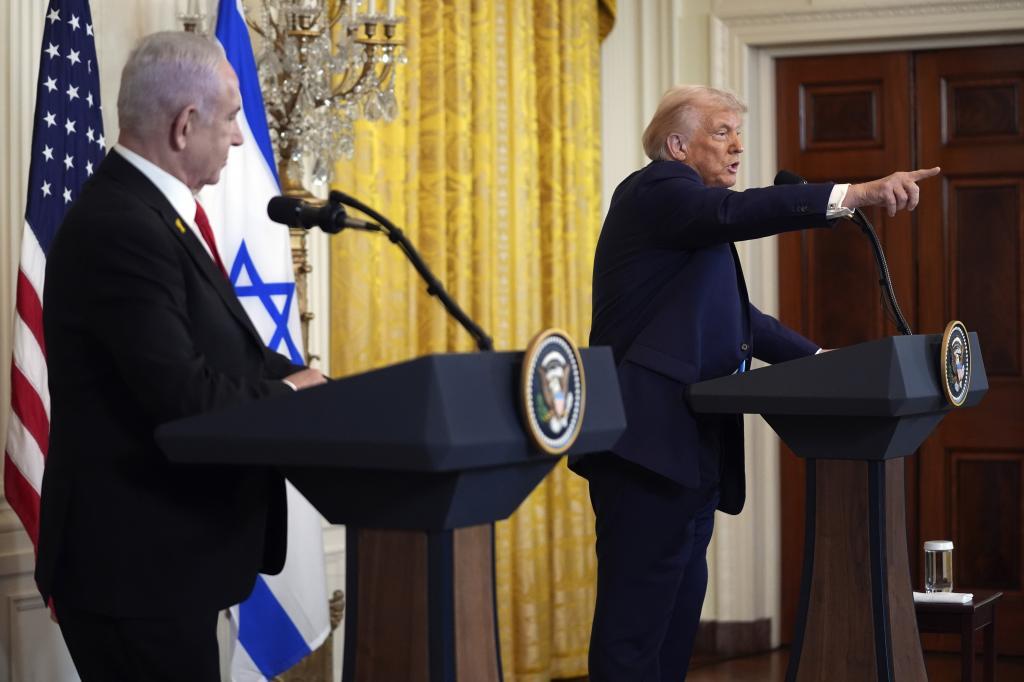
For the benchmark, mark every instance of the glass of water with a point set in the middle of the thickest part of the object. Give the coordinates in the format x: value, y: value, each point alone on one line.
x: 938, y: 566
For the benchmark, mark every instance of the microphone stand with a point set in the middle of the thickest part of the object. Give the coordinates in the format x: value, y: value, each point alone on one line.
x: 785, y: 177
x: 434, y: 287
x: 885, y: 281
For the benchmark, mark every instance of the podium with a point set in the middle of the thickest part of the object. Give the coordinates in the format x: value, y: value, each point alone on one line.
x: 853, y: 414
x: 417, y: 460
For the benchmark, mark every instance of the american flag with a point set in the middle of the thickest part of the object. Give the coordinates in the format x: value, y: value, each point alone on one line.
x: 67, y: 145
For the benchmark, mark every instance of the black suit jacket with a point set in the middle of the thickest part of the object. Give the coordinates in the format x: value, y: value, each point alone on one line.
x: 142, y: 328
x: 670, y: 299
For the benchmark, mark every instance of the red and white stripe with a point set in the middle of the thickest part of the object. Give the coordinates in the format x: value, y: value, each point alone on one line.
x: 28, y: 430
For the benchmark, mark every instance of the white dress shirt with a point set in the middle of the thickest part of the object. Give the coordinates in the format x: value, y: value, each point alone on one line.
x: 835, y: 203
x: 174, y: 190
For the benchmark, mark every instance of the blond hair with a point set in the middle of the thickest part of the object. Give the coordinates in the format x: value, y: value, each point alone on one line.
x: 681, y: 111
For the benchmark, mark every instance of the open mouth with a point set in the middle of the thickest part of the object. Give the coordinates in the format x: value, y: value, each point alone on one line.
x: 734, y: 167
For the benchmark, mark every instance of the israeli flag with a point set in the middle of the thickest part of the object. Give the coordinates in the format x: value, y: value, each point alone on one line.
x: 286, y: 617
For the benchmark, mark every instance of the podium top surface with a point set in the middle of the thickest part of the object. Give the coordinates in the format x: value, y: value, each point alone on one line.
x: 892, y: 377
x: 437, y: 413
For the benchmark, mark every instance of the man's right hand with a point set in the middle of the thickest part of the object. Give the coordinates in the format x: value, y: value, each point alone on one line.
x: 306, y: 378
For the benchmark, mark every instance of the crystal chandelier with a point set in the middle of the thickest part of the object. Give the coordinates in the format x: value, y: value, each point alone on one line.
x: 322, y: 65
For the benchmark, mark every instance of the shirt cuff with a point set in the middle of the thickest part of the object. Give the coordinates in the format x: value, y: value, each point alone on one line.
x: 835, y: 203
x: 289, y: 384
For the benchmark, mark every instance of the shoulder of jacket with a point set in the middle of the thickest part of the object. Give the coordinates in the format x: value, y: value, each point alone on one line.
x: 112, y: 211
x: 658, y: 170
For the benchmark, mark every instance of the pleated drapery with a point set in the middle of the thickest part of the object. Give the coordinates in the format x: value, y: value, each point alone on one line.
x: 493, y: 172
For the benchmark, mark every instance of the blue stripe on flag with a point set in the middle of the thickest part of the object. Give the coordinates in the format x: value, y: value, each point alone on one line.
x: 266, y: 631
x: 270, y: 638
x: 233, y: 34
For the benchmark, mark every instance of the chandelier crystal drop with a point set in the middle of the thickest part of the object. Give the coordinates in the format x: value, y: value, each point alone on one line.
x: 322, y: 65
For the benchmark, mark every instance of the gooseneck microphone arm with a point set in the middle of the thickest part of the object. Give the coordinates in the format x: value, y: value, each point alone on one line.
x: 434, y: 287
x: 884, y: 279
x: 785, y: 177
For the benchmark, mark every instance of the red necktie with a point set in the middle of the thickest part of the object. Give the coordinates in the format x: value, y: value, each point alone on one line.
x: 204, y: 229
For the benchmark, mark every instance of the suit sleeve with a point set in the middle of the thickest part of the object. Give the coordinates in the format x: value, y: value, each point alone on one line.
x: 278, y: 366
x: 693, y: 216
x: 774, y: 342
x: 137, y: 307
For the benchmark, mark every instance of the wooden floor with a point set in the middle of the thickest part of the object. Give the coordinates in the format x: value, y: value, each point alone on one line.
x: 772, y: 668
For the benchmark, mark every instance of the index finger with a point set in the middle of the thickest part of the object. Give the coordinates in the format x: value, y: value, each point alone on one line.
x: 923, y: 173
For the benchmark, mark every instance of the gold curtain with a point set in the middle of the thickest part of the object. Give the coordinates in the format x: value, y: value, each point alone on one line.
x: 493, y: 171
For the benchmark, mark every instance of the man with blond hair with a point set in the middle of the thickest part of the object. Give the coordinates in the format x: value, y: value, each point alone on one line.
x: 142, y: 326
x: 670, y: 299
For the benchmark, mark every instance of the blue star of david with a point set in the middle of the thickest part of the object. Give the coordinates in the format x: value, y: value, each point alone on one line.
x: 265, y: 291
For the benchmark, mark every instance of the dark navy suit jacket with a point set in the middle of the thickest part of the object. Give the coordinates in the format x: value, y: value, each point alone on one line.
x: 670, y: 299
x: 141, y: 328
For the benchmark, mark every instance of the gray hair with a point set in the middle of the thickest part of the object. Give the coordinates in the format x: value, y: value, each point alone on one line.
x: 166, y: 72
x: 680, y: 111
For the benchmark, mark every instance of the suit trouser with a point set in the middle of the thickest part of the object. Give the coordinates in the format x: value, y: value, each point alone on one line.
x: 652, y: 574
x: 151, y: 649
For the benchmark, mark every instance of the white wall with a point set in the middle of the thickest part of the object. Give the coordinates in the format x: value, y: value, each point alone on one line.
x: 654, y: 45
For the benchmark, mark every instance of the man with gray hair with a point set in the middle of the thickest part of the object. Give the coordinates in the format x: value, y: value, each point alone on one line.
x: 670, y: 299
x: 138, y: 555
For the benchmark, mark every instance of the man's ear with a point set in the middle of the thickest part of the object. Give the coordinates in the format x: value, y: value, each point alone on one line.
x: 181, y: 126
x: 676, y: 148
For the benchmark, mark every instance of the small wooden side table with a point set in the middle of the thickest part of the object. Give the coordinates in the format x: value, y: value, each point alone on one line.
x: 966, y: 619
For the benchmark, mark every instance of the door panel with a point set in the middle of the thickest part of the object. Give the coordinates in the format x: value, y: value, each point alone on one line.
x: 984, y: 269
x: 844, y: 118
x: 969, y: 111
x: 958, y: 257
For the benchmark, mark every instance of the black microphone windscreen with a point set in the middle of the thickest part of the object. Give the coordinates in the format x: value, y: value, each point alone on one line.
x: 784, y: 177
x: 285, y: 210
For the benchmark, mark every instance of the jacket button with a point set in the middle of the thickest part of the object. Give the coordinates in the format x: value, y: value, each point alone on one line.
x: 744, y: 347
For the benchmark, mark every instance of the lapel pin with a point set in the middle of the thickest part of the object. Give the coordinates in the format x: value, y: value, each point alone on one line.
x: 180, y: 225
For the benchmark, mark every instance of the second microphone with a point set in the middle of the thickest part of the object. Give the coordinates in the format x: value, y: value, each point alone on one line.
x: 329, y: 217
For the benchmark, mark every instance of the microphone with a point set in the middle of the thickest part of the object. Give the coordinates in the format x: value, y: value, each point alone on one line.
x: 784, y: 177
x: 329, y: 217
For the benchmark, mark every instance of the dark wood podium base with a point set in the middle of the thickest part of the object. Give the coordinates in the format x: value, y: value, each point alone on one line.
x: 420, y: 606
x: 856, y: 619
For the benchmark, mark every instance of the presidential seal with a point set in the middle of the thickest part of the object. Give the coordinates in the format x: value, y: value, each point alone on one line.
x: 553, y: 391
x: 955, y: 356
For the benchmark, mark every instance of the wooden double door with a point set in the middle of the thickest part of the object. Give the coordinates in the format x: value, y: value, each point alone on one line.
x: 958, y: 256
